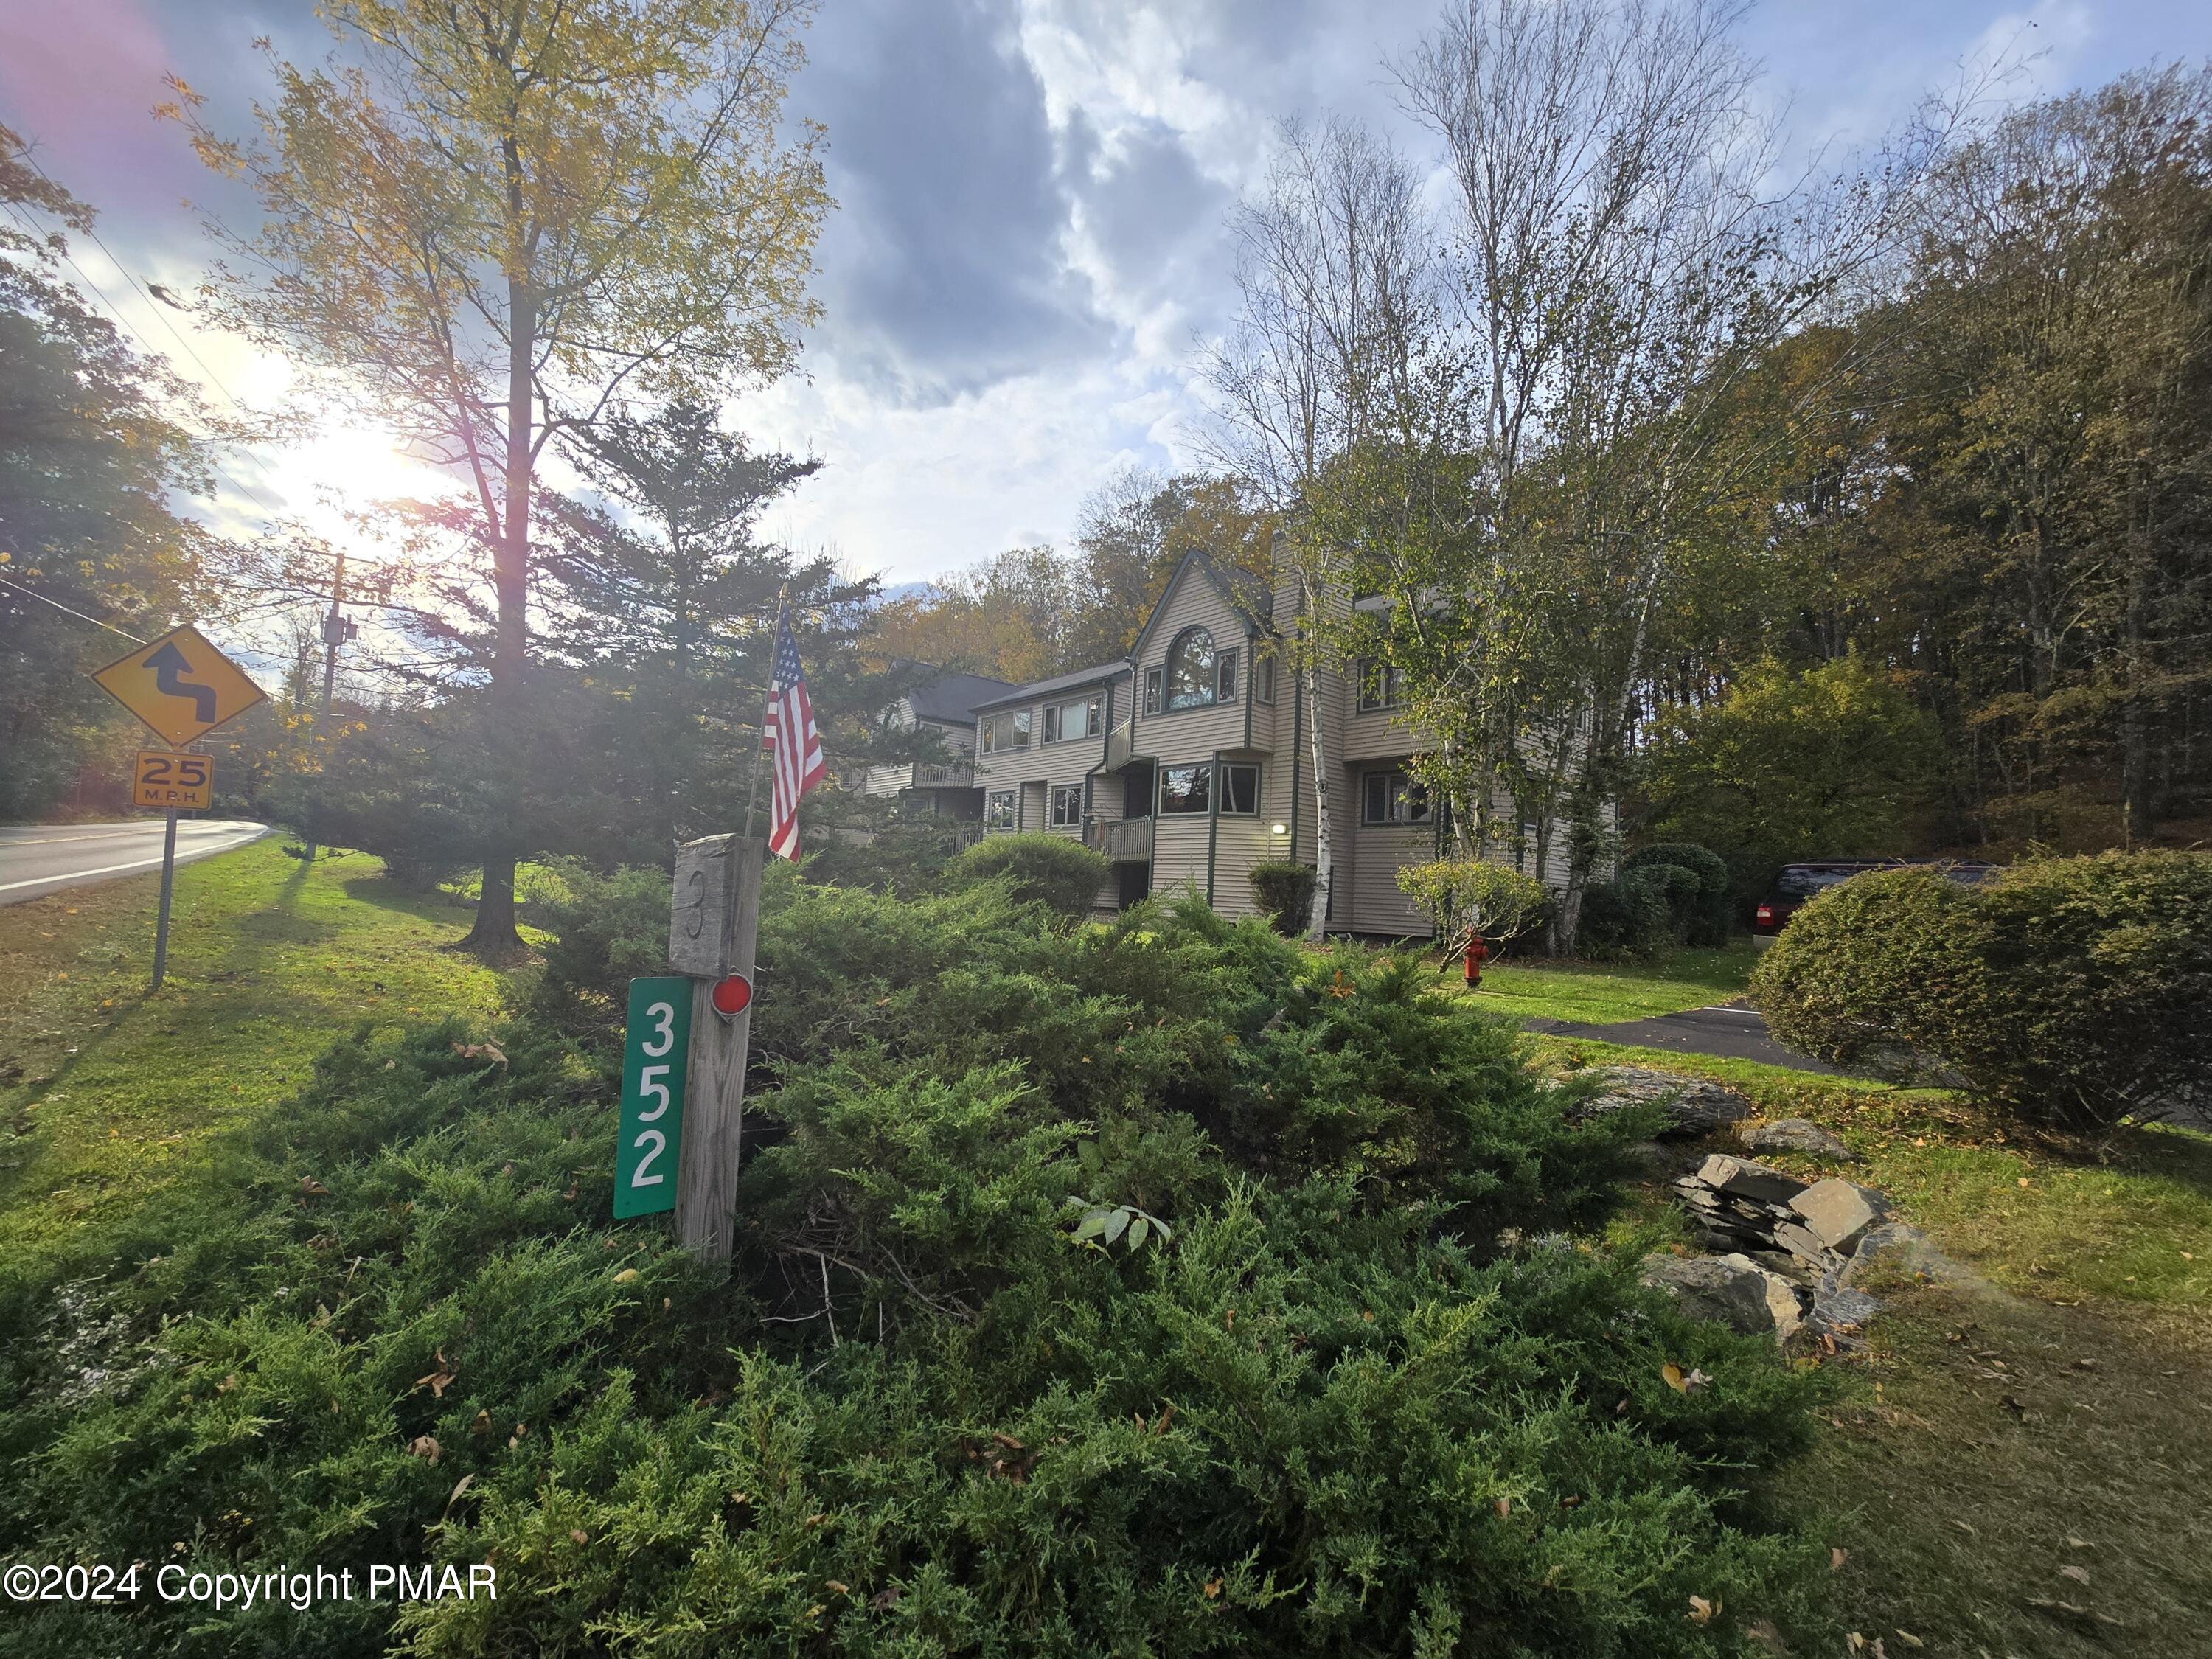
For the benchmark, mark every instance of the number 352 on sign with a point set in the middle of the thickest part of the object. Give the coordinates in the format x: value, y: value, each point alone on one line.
x: 655, y: 1044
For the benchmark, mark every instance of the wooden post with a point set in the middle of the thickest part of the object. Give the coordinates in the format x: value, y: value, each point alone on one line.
x: 720, y: 876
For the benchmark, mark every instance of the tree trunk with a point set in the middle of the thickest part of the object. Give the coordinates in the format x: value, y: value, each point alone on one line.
x: 494, y: 933
x: 1324, y: 868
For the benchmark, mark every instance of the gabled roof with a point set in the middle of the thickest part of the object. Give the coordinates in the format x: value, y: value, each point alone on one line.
x: 1068, y: 682
x: 955, y: 698
x: 1247, y: 596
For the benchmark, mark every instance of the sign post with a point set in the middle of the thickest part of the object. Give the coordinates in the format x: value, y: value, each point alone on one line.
x: 181, y: 688
x: 714, y: 918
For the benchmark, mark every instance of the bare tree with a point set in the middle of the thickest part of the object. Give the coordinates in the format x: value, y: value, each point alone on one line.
x: 1335, y: 353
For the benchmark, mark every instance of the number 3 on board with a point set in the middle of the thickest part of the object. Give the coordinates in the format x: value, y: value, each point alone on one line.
x: 655, y: 1045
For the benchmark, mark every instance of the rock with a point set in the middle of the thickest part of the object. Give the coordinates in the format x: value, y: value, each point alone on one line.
x: 1797, y: 1134
x: 1840, y: 1212
x: 1839, y: 1309
x: 1732, y: 1289
x: 1652, y: 1161
x: 1740, y: 1177
x: 1800, y: 1241
x: 1893, y: 1248
x: 1692, y: 1106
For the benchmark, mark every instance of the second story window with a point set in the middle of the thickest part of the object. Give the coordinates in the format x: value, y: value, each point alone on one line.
x: 1263, y: 679
x: 1005, y: 732
x: 1190, y: 669
x: 1224, y: 678
x: 1151, y: 691
x: 1379, y: 685
x: 1064, y: 722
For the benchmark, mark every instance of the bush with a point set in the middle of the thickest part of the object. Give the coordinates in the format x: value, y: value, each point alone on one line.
x: 2069, y: 992
x: 906, y: 856
x: 606, y: 930
x: 1054, y: 871
x: 1703, y: 912
x: 1460, y: 895
x: 1285, y: 892
x: 1625, y: 917
x: 1322, y: 1409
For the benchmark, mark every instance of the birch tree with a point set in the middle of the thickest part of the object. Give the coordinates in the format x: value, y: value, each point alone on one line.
x: 494, y: 223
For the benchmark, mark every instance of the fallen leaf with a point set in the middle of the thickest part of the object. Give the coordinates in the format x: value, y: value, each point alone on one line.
x: 1505, y: 1508
x: 1213, y: 1590
x: 1855, y: 1642
x: 521, y: 1433
x: 1702, y: 1611
x: 1836, y: 1559
x: 482, y: 1424
x: 311, y: 1187
x: 452, y: 1498
x: 439, y: 1380
x: 1675, y: 1380
x: 579, y: 1536
x: 625, y: 1275
x: 2079, y: 1544
x: 425, y: 1446
x: 1906, y: 1635
x: 2079, y: 1575
x: 835, y: 1587
x: 887, y: 1597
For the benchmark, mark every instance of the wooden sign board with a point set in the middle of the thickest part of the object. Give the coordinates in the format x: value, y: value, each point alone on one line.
x: 161, y: 778
x: 703, y: 908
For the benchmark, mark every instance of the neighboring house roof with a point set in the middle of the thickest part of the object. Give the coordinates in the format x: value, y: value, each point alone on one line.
x: 1247, y: 596
x: 955, y: 698
x: 1068, y: 682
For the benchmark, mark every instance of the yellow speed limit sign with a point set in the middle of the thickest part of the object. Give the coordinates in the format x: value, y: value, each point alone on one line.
x: 160, y: 779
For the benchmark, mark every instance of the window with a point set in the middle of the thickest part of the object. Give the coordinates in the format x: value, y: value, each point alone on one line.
x: 1379, y: 685
x: 1263, y: 680
x: 1240, y: 790
x: 1064, y: 722
x: 1007, y: 730
x: 1067, y: 807
x: 1224, y: 678
x: 999, y: 810
x: 1151, y: 691
x: 1393, y: 797
x: 1190, y: 669
x: 1186, y: 789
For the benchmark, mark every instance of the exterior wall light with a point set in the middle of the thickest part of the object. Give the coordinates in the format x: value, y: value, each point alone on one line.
x: 1279, y: 829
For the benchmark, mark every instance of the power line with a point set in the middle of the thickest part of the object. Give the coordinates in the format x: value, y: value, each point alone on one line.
x: 33, y: 592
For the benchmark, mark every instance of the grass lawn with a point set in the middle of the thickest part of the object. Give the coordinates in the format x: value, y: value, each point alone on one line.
x: 104, y: 1090
x: 2023, y: 1465
x: 1604, y: 993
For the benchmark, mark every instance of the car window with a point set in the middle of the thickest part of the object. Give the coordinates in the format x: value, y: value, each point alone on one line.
x: 1803, y: 883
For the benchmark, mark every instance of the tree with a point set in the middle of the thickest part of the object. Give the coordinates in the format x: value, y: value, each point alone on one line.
x: 1834, y: 761
x: 512, y: 216
x: 95, y: 441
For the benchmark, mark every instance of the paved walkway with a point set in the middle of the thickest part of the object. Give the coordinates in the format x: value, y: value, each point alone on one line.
x: 1730, y: 1031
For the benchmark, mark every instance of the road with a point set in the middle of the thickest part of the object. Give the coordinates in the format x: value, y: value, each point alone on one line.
x: 39, y: 859
x: 1735, y: 1032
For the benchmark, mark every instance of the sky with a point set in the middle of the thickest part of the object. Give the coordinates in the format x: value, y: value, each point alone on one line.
x: 1031, y: 232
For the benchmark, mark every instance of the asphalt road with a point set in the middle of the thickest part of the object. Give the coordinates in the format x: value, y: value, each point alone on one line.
x: 40, y: 859
x: 1736, y: 1033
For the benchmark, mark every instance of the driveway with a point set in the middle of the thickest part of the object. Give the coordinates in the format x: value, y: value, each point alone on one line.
x: 40, y: 859
x: 1729, y: 1029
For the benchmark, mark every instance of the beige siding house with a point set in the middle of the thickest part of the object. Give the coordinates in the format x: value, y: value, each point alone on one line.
x: 945, y: 708
x: 1189, y: 761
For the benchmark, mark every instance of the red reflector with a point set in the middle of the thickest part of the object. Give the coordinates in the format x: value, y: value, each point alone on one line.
x: 731, y: 996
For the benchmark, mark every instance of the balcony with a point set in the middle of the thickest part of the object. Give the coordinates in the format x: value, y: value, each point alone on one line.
x: 1118, y: 742
x: 1123, y: 841
x: 952, y: 774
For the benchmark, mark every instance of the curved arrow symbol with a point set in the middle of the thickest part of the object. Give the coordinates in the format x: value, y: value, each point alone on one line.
x: 170, y: 666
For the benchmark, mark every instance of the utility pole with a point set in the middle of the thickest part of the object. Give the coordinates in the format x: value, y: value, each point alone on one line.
x: 337, y: 630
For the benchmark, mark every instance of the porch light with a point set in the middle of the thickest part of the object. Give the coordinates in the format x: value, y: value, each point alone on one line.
x: 1279, y: 829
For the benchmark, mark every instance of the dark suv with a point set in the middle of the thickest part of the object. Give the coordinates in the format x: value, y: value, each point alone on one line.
x: 1800, y: 882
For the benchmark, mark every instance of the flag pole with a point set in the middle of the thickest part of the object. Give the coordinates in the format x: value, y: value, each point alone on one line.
x: 768, y: 703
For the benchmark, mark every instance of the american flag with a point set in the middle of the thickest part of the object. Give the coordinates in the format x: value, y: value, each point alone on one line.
x: 793, y: 742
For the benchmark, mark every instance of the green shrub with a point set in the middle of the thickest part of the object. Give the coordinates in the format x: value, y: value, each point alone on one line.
x: 1703, y: 912
x: 1285, y: 892
x: 906, y: 856
x: 605, y: 931
x: 1054, y: 871
x: 1854, y: 977
x: 1625, y: 917
x: 1460, y: 896
x: 1326, y: 1411
x: 2068, y: 992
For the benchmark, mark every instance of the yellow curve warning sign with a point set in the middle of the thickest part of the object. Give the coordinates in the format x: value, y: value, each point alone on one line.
x: 179, y: 685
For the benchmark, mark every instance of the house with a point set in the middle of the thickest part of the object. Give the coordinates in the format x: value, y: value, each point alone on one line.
x: 1188, y: 761
x: 946, y: 708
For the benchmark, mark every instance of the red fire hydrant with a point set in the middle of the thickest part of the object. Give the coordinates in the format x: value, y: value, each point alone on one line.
x: 1477, y: 954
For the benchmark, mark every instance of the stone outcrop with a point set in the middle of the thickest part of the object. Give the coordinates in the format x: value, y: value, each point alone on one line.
x: 1691, y: 1105
x: 1796, y: 1134
x: 1732, y: 1289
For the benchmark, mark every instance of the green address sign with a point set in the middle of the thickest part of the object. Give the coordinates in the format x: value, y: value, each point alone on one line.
x: 655, y: 1045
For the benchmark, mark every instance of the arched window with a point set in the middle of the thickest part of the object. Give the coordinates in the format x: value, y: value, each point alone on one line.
x: 1190, y: 669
